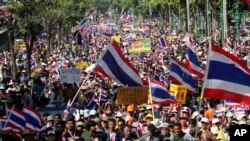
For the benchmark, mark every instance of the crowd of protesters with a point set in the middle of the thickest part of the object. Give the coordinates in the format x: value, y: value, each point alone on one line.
x: 108, y: 121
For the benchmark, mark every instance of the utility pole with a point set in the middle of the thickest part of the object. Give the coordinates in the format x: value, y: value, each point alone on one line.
x: 188, y: 17
x: 225, y: 18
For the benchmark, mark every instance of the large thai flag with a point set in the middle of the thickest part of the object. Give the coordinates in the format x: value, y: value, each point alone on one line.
x: 159, y: 93
x: 34, y: 122
x: 193, y: 63
x: 179, y: 74
x: 227, y: 77
x: 114, y: 65
x: 16, y: 120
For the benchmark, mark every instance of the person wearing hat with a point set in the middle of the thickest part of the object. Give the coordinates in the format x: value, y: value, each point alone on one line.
x: 165, y: 132
x: 50, y: 121
x: 152, y: 134
x: 79, y: 126
x: 205, y: 133
x: 51, y: 135
x: 149, y: 118
x: 24, y: 78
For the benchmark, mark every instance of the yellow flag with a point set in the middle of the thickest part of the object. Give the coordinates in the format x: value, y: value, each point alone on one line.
x: 221, y: 135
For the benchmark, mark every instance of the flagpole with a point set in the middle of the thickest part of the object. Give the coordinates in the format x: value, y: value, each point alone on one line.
x: 151, y: 98
x: 202, y: 91
x: 84, y: 81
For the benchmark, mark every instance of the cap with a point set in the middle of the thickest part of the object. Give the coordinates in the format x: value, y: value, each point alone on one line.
x: 216, y: 120
x: 24, y: 71
x: 195, y: 114
x: 80, y: 123
x: 164, y: 125
x: 51, y: 132
x: 118, y: 114
x: 204, y: 120
x: 50, y: 117
x: 149, y: 116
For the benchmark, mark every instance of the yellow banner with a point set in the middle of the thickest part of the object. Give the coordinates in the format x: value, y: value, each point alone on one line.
x: 180, y: 92
x: 171, y: 37
x: 116, y: 38
x: 132, y: 95
x: 141, y: 45
x: 82, y: 64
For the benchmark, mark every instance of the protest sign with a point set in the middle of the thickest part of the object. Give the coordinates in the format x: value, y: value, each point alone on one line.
x: 141, y: 45
x: 132, y: 95
x: 70, y: 75
x: 180, y: 92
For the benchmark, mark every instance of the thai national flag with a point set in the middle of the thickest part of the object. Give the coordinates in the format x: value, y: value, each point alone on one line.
x: 34, y: 122
x: 159, y: 93
x: 16, y: 119
x: 7, y: 128
x: 219, y: 112
x: 164, y: 80
x: 227, y: 77
x: 91, y: 103
x: 180, y: 74
x: 103, y: 95
x: 114, y: 65
x: 192, y: 60
x: 163, y: 42
x: 67, y: 109
x: 193, y: 63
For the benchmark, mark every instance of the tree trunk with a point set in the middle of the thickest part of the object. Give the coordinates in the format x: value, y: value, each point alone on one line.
x: 59, y: 34
x: 29, y: 48
x: 13, y: 55
x: 48, y: 41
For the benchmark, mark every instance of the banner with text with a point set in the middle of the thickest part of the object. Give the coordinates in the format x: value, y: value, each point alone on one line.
x: 132, y: 95
x: 70, y: 76
x: 180, y: 92
x: 141, y: 45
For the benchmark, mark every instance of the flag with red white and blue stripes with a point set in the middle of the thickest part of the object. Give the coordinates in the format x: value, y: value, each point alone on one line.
x: 160, y: 94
